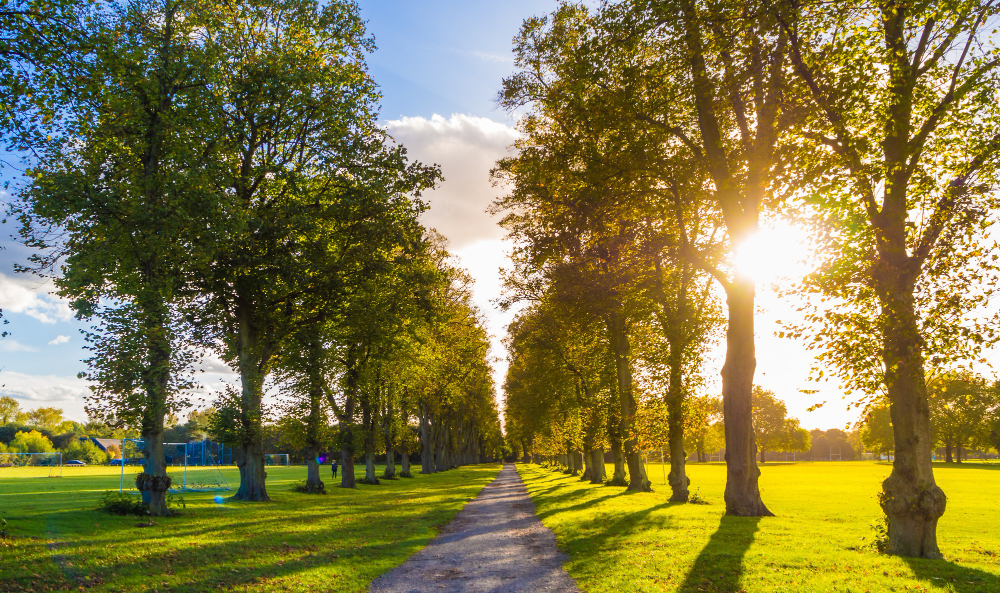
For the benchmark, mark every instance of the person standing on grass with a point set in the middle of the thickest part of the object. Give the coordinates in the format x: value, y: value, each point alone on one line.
x: 334, y: 467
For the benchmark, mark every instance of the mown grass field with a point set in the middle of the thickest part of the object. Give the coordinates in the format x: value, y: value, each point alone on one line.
x: 341, y: 541
x: 819, y: 541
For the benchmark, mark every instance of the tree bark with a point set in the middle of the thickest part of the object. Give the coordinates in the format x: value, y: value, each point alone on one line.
x: 405, y: 460
x: 251, y: 450
x: 368, y: 426
x: 742, y: 491
x: 947, y: 452
x: 426, y: 461
x: 598, y: 473
x: 154, y: 464
x: 313, y: 482
x: 911, y: 499
x: 623, y: 367
x: 346, y: 430
x: 677, y: 478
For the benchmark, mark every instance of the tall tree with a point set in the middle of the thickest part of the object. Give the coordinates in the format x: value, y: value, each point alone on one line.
x: 116, y: 208
x: 724, y: 66
x: 899, y: 153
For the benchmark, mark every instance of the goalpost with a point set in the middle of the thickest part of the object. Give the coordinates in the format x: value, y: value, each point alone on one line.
x: 197, y: 478
x: 276, y: 459
x: 31, y: 465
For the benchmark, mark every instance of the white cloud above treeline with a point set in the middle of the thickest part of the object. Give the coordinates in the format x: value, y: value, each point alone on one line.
x: 32, y: 297
x: 60, y: 339
x: 466, y: 147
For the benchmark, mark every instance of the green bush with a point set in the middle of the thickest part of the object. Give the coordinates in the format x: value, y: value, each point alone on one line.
x: 121, y: 503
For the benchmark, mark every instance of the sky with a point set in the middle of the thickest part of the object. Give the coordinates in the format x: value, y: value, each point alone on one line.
x: 439, y: 65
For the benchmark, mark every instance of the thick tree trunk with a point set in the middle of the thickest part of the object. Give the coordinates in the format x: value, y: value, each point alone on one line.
x: 250, y: 461
x: 623, y: 367
x: 598, y: 474
x: 368, y: 425
x: 251, y: 451
x: 390, y: 465
x: 313, y: 482
x: 588, y: 465
x: 405, y: 471
x: 911, y: 499
x: 154, y: 464
x: 618, y: 455
x: 156, y: 381
x: 742, y: 492
x: 947, y: 452
x: 370, y: 477
x: 347, y: 478
x: 426, y: 460
x: 677, y: 478
x: 762, y: 460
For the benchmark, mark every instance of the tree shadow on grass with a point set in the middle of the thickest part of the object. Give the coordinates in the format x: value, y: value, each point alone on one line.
x: 961, y: 579
x: 719, y: 565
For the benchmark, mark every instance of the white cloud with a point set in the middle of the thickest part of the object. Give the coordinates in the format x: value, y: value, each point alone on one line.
x: 11, y: 345
x: 46, y: 390
x: 60, y: 339
x: 466, y: 147
x: 32, y: 297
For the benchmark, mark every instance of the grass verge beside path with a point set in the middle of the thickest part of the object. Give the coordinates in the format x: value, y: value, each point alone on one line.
x: 298, y: 542
x: 819, y: 540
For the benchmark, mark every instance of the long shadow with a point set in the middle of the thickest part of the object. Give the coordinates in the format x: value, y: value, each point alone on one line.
x: 719, y: 565
x: 962, y: 579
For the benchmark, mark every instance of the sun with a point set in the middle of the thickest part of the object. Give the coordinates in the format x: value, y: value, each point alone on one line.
x: 776, y: 254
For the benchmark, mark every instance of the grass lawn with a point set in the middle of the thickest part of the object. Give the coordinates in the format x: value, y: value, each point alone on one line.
x: 299, y: 542
x: 818, y: 541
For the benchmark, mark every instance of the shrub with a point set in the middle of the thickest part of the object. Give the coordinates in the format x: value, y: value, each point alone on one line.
x: 122, y: 503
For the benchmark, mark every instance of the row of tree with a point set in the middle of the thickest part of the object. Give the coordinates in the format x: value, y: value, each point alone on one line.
x: 656, y: 138
x: 210, y: 175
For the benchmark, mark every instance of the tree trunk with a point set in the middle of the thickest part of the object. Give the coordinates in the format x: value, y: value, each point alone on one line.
x: 154, y: 464
x: 156, y: 381
x: 598, y: 474
x: 623, y: 367
x: 742, y: 492
x: 912, y: 501
x: 370, y: 477
x: 677, y: 478
x: 588, y: 465
x: 368, y: 426
x: 390, y: 465
x: 251, y: 451
x: 947, y: 452
x: 762, y: 460
x: 405, y: 460
x: 313, y: 482
x: 958, y: 453
x: 619, y: 477
x: 426, y: 462
x: 250, y: 461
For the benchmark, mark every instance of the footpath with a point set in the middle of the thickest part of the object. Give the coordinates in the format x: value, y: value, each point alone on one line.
x: 496, y: 544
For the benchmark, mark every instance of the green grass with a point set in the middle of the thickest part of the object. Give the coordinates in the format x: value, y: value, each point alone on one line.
x: 819, y: 541
x: 299, y: 542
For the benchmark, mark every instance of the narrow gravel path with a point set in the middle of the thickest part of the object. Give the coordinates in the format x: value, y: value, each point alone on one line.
x: 495, y: 544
